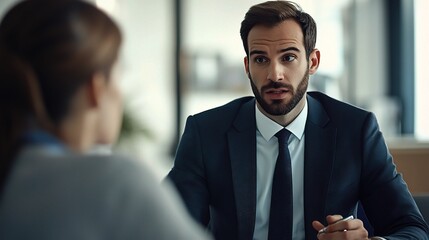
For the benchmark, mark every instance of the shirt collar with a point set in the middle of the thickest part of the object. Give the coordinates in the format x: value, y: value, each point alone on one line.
x: 39, y: 137
x: 268, y: 128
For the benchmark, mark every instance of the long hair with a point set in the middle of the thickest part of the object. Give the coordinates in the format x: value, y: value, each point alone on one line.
x: 48, y: 50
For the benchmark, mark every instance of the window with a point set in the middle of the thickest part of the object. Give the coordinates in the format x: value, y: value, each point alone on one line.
x: 421, y: 76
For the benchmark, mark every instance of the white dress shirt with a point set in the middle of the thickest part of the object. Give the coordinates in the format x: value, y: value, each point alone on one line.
x: 267, y: 151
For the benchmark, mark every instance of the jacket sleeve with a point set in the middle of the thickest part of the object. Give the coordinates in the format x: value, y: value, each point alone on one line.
x: 386, y: 199
x: 188, y: 175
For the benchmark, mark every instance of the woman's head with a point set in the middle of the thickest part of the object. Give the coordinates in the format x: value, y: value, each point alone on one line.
x: 67, y: 48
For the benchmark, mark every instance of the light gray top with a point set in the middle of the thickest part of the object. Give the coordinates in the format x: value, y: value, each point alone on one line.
x: 52, y: 195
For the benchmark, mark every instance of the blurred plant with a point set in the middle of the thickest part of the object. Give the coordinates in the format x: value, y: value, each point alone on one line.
x: 132, y: 127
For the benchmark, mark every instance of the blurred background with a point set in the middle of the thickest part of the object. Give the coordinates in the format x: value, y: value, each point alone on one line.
x: 181, y: 57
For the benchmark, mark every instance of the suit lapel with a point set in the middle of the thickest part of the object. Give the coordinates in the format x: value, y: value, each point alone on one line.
x: 319, y: 153
x: 242, y: 149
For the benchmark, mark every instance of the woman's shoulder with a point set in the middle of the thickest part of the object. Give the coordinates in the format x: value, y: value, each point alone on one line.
x: 116, y: 189
x: 100, y: 169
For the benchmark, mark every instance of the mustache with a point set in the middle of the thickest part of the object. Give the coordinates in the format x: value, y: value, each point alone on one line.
x: 275, y: 85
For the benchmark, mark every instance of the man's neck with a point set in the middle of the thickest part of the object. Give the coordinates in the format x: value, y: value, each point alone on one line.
x: 284, y: 120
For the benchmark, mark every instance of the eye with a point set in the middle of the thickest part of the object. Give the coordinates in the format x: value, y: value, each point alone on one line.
x: 288, y: 58
x: 260, y: 59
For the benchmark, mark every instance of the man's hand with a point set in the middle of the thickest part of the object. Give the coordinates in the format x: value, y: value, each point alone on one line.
x: 336, y: 229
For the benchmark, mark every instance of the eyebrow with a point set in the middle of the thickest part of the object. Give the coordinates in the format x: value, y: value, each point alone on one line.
x: 280, y: 51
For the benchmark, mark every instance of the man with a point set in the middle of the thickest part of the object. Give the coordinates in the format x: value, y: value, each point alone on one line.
x: 225, y: 167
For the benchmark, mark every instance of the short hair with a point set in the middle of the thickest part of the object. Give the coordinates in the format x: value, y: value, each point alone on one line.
x: 272, y: 13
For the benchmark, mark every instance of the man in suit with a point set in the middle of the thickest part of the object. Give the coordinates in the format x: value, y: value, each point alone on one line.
x: 226, y: 161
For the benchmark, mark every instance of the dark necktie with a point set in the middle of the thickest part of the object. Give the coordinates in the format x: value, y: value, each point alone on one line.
x: 281, y: 211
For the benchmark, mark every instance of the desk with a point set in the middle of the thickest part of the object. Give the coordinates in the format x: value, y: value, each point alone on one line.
x: 412, y: 160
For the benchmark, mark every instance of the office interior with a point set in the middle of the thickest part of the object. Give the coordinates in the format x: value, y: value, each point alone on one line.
x: 181, y: 57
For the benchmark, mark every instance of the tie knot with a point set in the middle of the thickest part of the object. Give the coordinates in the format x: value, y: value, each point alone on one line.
x: 283, y: 136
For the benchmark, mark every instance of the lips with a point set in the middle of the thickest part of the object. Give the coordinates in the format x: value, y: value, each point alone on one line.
x: 277, y: 93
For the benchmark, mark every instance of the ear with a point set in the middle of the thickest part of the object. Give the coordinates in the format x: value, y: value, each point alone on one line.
x: 246, y: 65
x: 95, y: 88
x: 314, y: 61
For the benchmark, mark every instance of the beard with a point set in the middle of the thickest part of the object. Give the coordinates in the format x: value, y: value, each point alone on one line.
x: 277, y: 107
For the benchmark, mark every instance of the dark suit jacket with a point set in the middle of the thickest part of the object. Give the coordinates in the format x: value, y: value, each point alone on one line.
x: 346, y: 161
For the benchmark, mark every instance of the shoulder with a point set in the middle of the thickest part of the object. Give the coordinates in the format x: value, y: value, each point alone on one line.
x: 118, y: 169
x: 331, y: 103
x: 142, y: 204
x: 88, y: 171
x: 229, y: 108
x: 336, y: 110
x: 125, y: 189
x: 224, y: 114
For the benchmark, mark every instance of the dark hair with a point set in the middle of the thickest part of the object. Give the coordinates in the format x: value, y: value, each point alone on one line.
x: 48, y: 50
x: 272, y: 13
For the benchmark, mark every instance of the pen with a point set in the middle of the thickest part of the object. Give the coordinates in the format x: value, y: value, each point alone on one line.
x: 323, y: 230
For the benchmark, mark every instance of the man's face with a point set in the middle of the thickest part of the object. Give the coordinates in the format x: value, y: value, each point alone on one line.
x: 277, y: 67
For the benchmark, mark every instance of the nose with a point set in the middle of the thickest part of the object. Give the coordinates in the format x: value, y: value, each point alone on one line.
x: 276, y: 72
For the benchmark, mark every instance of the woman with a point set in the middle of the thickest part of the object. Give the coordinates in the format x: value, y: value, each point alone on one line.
x: 59, y: 98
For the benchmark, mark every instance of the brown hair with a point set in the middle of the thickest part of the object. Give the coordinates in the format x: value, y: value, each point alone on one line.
x: 48, y: 49
x: 272, y: 13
